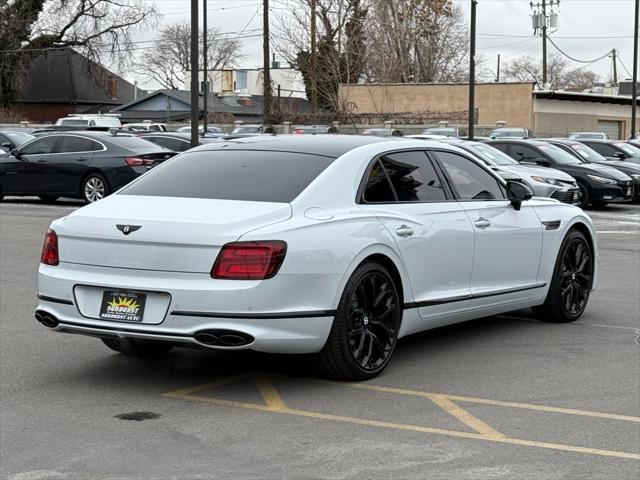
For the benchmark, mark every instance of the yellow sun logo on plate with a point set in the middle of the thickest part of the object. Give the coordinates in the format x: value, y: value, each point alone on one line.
x: 124, y: 302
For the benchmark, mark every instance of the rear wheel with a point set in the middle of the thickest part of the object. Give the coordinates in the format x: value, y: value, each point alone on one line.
x: 48, y: 198
x: 94, y: 188
x: 365, y: 329
x: 139, y: 348
x: 571, y: 283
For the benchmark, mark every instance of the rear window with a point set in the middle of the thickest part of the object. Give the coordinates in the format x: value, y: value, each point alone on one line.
x: 255, y: 176
x: 136, y: 144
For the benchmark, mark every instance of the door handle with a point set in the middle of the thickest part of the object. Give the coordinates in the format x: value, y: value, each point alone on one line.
x: 42, y: 161
x: 404, y: 231
x: 482, y: 223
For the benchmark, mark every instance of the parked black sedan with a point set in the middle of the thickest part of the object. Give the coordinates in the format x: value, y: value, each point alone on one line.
x: 584, y: 152
x: 87, y: 165
x: 598, y: 184
x: 614, y: 149
x: 177, y: 141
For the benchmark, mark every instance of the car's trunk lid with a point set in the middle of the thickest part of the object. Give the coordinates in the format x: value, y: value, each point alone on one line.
x: 159, y: 233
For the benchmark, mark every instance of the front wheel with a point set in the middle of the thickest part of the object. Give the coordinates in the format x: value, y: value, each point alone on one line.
x: 138, y: 348
x: 585, y: 196
x: 94, y: 188
x: 571, y: 283
x: 365, y: 329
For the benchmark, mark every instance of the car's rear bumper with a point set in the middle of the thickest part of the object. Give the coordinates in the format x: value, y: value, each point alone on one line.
x: 285, y: 314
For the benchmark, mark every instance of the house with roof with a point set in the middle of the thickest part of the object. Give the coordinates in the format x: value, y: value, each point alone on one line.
x: 63, y: 81
x: 175, y: 106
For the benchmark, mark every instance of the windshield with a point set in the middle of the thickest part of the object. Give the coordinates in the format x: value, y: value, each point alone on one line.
x: 587, y: 153
x: 440, y: 131
x: 73, y: 122
x: 559, y: 155
x: 493, y: 154
x: 19, y: 138
x: 508, y: 133
x: 248, y: 175
x: 630, y: 149
x: 247, y: 130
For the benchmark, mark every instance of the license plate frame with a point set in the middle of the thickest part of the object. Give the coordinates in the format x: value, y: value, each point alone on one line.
x: 123, y: 306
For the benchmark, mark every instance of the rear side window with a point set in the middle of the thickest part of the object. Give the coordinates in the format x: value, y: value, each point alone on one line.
x: 70, y: 144
x: 413, y: 177
x: 136, y: 144
x: 378, y: 189
x: 602, y: 148
x: 255, y: 176
x: 171, y: 143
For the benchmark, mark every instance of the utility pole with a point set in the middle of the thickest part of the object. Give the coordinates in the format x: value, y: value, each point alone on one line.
x: 205, y: 68
x: 498, y: 70
x: 544, y: 44
x: 634, y: 95
x: 541, y: 23
x: 472, y: 70
x: 615, y: 67
x: 266, y: 58
x: 195, y: 74
x: 313, y: 66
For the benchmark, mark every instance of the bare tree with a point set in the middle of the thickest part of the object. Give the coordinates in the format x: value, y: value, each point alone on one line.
x: 99, y: 29
x: 168, y: 60
x: 529, y: 69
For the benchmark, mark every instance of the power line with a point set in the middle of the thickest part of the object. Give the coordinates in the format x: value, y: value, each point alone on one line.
x: 573, y: 58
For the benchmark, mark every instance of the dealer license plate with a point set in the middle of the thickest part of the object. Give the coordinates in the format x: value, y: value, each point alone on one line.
x: 123, y: 306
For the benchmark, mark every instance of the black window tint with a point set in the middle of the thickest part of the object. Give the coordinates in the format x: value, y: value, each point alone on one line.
x: 170, y: 143
x: 137, y: 144
x: 524, y: 152
x: 503, y: 147
x: 70, y: 144
x: 257, y: 176
x: 378, y: 189
x: 603, y: 149
x: 40, y: 146
x: 471, y: 181
x: 413, y: 177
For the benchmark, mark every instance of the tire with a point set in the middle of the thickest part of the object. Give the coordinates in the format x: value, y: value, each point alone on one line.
x: 138, y: 348
x: 365, y: 329
x: 585, y: 196
x: 48, y: 198
x: 571, y: 282
x: 94, y: 187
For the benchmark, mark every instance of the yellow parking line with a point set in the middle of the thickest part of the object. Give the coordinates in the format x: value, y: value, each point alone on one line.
x: 270, y: 395
x: 465, y: 417
x: 206, y: 386
x: 483, y: 401
x: 406, y: 427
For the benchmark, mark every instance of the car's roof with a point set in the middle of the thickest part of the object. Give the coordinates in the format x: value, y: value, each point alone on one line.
x: 509, y: 129
x: 88, y: 133
x: 334, y: 147
x: 526, y: 141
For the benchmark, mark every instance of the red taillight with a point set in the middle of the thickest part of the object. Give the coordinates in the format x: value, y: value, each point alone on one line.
x: 249, y: 260
x: 137, y: 162
x: 298, y: 131
x: 50, y: 249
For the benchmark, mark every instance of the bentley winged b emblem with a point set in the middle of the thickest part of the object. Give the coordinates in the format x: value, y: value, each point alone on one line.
x: 127, y: 229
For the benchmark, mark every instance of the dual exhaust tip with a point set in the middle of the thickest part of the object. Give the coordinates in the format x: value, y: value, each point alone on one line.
x: 46, y: 319
x: 223, y: 338
x: 214, y: 337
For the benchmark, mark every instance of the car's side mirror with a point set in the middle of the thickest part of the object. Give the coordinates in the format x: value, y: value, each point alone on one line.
x: 6, y: 145
x: 517, y: 193
x: 619, y: 155
x: 543, y: 162
x: 16, y: 153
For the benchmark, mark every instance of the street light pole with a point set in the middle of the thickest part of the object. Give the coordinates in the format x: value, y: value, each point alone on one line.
x: 205, y: 90
x: 472, y: 70
x: 634, y: 94
x: 195, y: 74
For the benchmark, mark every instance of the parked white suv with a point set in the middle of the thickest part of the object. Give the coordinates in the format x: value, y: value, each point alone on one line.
x: 97, y: 120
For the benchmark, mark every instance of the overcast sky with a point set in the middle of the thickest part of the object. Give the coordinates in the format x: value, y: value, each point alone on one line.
x: 588, y: 29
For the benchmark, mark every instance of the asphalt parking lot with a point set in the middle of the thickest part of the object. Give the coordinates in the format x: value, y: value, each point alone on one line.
x: 499, y: 398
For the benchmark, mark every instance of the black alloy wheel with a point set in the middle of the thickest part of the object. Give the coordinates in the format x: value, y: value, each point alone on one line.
x: 571, y: 283
x: 365, y: 329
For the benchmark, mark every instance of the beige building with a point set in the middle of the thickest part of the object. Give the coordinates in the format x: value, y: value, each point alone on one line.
x: 516, y: 104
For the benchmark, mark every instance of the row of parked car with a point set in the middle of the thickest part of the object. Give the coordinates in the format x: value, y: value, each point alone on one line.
x: 90, y: 164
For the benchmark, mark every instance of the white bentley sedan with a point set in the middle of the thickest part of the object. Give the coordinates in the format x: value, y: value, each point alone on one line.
x: 330, y: 247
